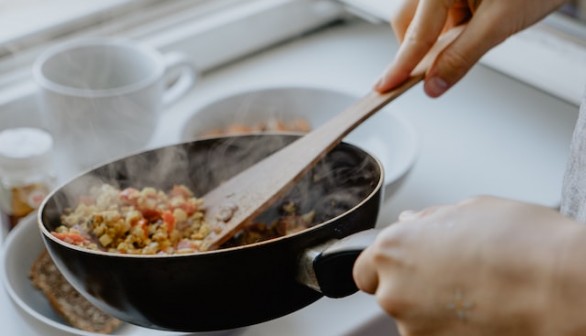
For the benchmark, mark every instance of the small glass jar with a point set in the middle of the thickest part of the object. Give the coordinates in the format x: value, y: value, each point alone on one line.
x: 26, y: 171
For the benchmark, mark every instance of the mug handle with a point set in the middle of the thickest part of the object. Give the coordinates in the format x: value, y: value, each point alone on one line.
x: 182, y: 73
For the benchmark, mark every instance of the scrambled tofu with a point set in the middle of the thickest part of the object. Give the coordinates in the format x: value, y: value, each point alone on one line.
x: 131, y: 221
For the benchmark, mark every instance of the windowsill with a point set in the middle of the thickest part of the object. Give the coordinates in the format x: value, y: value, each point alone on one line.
x: 211, y: 34
x: 21, y: 23
x: 196, y: 27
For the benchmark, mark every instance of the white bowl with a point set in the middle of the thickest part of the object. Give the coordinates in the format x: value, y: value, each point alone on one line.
x: 389, y: 137
x: 21, y: 248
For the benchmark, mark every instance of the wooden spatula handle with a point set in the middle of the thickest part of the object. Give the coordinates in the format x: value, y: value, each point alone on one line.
x: 248, y: 194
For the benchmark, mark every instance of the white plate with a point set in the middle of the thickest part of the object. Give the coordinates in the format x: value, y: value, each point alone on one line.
x: 388, y: 137
x: 22, y: 246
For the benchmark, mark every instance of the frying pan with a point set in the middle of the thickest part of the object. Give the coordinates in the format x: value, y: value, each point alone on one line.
x: 234, y: 286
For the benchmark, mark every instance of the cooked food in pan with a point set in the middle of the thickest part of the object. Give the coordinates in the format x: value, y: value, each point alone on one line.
x: 260, y: 281
x: 151, y: 221
x: 132, y: 221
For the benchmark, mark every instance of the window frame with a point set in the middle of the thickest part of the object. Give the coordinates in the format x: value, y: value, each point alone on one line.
x: 210, y: 32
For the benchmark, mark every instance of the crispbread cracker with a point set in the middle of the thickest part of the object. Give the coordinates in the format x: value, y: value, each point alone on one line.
x: 73, y: 307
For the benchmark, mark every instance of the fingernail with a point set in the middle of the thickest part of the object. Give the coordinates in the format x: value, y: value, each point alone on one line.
x: 436, y: 86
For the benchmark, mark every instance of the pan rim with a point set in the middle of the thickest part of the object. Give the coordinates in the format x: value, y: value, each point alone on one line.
x: 47, y: 235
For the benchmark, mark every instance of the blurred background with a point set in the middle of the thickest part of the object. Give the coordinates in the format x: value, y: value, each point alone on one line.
x: 504, y: 130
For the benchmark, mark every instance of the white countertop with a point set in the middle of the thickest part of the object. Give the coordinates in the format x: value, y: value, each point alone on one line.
x: 489, y: 135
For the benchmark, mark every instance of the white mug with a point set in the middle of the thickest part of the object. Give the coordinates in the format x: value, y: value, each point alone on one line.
x: 102, y: 97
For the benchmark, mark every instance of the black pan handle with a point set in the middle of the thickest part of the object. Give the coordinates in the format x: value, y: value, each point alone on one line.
x: 330, y: 265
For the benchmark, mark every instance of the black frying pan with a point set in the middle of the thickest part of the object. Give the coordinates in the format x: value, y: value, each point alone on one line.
x: 235, y: 286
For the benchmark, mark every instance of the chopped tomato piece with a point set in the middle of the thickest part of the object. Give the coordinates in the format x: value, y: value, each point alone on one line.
x: 169, y: 219
x: 70, y: 237
x: 151, y: 215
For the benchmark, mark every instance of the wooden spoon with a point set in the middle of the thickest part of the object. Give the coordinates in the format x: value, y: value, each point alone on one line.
x: 248, y: 194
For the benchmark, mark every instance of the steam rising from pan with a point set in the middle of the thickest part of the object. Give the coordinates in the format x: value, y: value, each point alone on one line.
x: 334, y: 186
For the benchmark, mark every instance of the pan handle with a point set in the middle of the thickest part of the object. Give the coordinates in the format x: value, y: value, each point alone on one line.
x: 327, y: 268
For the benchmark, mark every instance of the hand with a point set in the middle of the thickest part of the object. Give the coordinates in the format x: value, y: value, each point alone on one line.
x: 486, y: 266
x: 419, y: 23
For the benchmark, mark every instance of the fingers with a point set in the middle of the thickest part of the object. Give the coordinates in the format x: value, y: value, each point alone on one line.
x: 410, y: 215
x: 365, y: 273
x: 473, y: 5
x: 387, y: 253
x: 378, y: 258
x: 459, y: 57
x: 420, y: 36
x: 438, y: 210
x: 418, y: 25
x: 403, y: 16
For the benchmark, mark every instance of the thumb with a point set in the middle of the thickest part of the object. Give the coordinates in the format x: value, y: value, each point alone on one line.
x: 459, y: 57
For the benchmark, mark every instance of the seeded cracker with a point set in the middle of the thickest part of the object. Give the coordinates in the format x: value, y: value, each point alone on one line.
x: 73, y: 307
